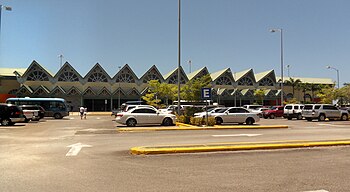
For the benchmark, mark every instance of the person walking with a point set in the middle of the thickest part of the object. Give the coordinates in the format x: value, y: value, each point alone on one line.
x: 85, y: 112
x: 81, y: 109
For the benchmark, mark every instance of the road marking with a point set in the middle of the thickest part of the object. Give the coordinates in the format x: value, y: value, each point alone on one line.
x: 75, y: 149
x: 322, y: 190
x: 238, y: 135
x: 332, y: 125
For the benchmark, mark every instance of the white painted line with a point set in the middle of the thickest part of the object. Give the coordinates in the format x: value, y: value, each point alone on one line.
x: 322, y: 190
x: 238, y: 135
x: 98, y: 118
x: 72, y: 118
x: 75, y: 149
x: 332, y: 125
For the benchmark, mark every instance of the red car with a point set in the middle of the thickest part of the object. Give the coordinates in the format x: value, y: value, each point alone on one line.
x: 275, y: 111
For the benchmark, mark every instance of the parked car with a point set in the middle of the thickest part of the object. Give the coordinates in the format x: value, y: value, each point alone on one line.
x: 293, y: 111
x: 235, y: 115
x: 33, y: 112
x: 10, y: 114
x: 144, y: 115
x: 259, y: 111
x: 210, y: 111
x: 252, y: 107
x: 323, y: 111
x: 275, y: 111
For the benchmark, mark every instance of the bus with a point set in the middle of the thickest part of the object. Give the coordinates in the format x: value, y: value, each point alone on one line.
x: 54, y: 107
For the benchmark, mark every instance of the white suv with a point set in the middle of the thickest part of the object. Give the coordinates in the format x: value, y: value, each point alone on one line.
x: 293, y: 111
x: 323, y: 111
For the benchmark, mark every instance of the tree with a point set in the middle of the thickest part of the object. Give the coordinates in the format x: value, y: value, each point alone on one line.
x: 294, y: 83
x: 260, y: 94
x: 304, y: 87
x: 159, y: 91
x: 192, y: 90
x: 327, y: 94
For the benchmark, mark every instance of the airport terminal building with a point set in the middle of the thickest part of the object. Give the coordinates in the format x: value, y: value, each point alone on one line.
x: 100, y: 92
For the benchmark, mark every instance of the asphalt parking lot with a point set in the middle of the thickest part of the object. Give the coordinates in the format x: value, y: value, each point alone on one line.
x: 92, y: 155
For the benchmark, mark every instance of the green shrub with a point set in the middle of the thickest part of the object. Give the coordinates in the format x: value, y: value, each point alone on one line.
x: 183, y: 119
x: 202, y: 121
x: 198, y: 121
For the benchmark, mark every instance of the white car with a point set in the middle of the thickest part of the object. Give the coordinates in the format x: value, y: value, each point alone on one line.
x: 210, y: 111
x: 259, y: 111
x: 235, y: 115
x: 144, y: 115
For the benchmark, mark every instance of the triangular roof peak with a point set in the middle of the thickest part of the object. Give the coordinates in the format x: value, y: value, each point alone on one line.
x: 68, y: 66
x: 241, y: 74
x: 126, y: 69
x: 217, y: 74
x: 36, y: 64
x: 183, y: 78
x: 97, y: 74
x: 197, y: 73
x: 260, y: 76
x: 152, y: 74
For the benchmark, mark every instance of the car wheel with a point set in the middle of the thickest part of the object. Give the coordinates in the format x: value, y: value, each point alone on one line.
x: 289, y: 118
x: 167, y: 121
x: 131, y: 122
x: 26, y: 120
x: 299, y: 116
x: 218, y: 121
x: 250, y: 121
x: 57, y: 116
x: 5, y: 122
x: 322, y: 117
x: 308, y: 119
x: 344, y: 117
x: 272, y: 116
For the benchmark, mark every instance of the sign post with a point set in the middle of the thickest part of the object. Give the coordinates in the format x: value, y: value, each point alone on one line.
x: 206, y: 95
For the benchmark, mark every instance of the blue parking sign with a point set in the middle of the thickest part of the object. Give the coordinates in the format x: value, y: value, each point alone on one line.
x: 206, y: 93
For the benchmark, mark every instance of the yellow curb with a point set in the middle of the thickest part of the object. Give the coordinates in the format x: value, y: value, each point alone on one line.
x: 251, y: 126
x: 233, y: 147
x: 182, y: 128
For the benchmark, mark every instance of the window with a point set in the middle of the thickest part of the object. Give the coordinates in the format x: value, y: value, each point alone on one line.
x: 242, y: 111
x: 266, y: 82
x: 245, y: 81
x: 290, y: 107
x: 317, y: 106
x: 223, y: 81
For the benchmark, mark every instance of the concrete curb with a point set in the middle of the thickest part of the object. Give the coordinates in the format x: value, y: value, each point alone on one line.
x: 234, y: 147
x: 190, y: 127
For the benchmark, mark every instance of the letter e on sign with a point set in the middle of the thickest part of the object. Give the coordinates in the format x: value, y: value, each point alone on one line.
x: 206, y: 93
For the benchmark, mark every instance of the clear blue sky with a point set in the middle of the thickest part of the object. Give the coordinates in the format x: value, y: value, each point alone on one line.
x: 215, y: 33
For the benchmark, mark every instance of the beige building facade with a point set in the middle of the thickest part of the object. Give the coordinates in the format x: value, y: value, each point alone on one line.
x: 100, y: 92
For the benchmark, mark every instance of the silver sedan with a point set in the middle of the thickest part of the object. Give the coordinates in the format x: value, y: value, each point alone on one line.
x: 235, y: 115
x: 145, y: 115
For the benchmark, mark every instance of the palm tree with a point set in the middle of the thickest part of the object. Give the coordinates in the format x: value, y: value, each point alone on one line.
x: 294, y: 83
x: 305, y: 87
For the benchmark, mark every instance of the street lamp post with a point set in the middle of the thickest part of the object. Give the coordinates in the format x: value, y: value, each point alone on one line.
x: 330, y: 67
x: 179, y: 57
x: 119, y: 88
x: 6, y: 8
x: 281, y: 32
